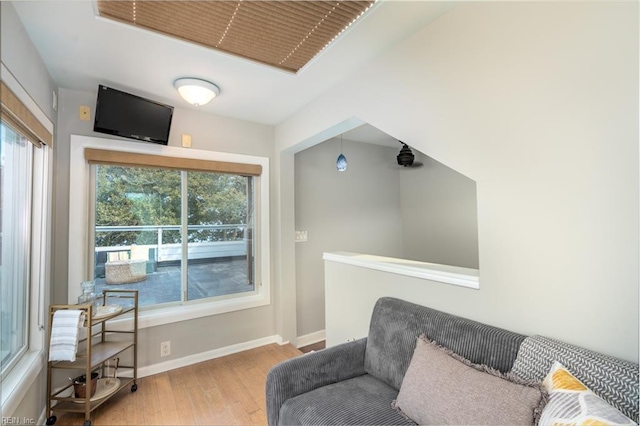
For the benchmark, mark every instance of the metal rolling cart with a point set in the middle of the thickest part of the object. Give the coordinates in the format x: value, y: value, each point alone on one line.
x: 103, y: 342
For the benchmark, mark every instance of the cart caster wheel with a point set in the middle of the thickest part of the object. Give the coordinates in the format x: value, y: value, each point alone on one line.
x: 51, y: 420
x: 87, y: 423
x: 134, y: 387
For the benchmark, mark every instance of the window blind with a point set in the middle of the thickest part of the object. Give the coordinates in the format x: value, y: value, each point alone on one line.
x: 120, y: 158
x: 17, y: 115
x: 283, y: 34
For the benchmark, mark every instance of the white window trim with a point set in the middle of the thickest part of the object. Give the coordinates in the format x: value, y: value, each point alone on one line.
x: 79, y: 232
x: 22, y: 377
x: 17, y: 89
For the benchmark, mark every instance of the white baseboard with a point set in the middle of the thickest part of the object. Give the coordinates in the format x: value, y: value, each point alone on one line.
x: 310, y: 339
x: 43, y: 416
x: 280, y: 341
x: 172, y: 364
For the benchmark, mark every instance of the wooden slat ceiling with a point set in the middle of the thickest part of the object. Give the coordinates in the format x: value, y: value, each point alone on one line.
x: 284, y: 34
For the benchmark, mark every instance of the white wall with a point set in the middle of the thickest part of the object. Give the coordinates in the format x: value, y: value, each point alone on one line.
x: 537, y: 103
x: 20, y: 56
x: 355, y: 210
x: 439, y: 214
x: 208, y: 132
x: 426, y: 213
x: 346, y: 282
x: 23, y: 61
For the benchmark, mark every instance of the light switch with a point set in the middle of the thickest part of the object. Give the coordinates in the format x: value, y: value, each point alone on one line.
x: 85, y: 113
x: 186, y: 140
x: 301, y: 236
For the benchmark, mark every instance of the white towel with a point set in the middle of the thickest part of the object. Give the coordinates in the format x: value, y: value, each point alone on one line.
x: 64, y: 334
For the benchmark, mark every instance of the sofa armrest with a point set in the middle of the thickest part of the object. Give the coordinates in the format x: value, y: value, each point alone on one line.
x: 310, y: 371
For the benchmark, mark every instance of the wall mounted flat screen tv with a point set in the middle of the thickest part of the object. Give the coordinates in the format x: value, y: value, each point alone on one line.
x: 130, y: 116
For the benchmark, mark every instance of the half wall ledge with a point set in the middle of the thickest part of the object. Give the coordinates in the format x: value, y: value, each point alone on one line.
x: 464, y: 277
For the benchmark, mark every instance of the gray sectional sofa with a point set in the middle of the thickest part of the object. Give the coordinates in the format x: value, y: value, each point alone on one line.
x: 356, y: 382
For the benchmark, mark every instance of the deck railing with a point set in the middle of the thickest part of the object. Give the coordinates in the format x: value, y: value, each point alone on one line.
x: 231, y: 241
x: 227, y: 230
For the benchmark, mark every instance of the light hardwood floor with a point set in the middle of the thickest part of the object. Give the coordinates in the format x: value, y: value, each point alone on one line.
x: 224, y: 391
x: 314, y: 347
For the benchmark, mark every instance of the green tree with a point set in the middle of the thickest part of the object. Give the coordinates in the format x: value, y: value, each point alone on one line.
x: 127, y: 196
x: 216, y: 199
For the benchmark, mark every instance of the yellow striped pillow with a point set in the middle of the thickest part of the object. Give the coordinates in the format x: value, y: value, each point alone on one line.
x: 572, y: 403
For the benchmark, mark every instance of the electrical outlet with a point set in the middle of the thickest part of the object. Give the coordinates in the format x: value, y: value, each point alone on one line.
x: 165, y: 349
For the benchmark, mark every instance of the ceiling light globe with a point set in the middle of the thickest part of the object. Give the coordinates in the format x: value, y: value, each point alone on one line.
x: 195, y: 91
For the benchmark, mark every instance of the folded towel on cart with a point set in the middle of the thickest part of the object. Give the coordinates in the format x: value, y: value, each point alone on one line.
x: 64, y: 334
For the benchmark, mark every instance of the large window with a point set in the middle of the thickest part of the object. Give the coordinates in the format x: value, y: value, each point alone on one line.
x: 16, y: 165
x: 174, y: 235
x: 188, y: 228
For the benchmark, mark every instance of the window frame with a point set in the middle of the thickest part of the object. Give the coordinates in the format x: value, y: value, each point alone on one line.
x: 22, y: 375
x: 81, y: 228
x: 184, y: 227
x: 20, y: 379
x: 26, y: 235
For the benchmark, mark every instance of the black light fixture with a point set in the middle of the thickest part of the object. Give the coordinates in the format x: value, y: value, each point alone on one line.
x: 405, y: 157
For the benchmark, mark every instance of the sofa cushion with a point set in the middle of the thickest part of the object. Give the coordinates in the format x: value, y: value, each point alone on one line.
x: 396, y: 324
x: 363, y: 400
x: 613, y: 379
x: 571, y: 402
x: 442, y: 388
x: 313, y: 370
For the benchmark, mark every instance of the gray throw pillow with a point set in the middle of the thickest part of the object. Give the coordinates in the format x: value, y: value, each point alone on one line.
x: 442, y: 388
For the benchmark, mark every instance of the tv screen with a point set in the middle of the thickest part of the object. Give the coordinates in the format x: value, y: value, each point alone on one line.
x: 130, y: 116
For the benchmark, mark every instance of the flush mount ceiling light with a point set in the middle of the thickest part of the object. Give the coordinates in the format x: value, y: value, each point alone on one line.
x: 196, y: 91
